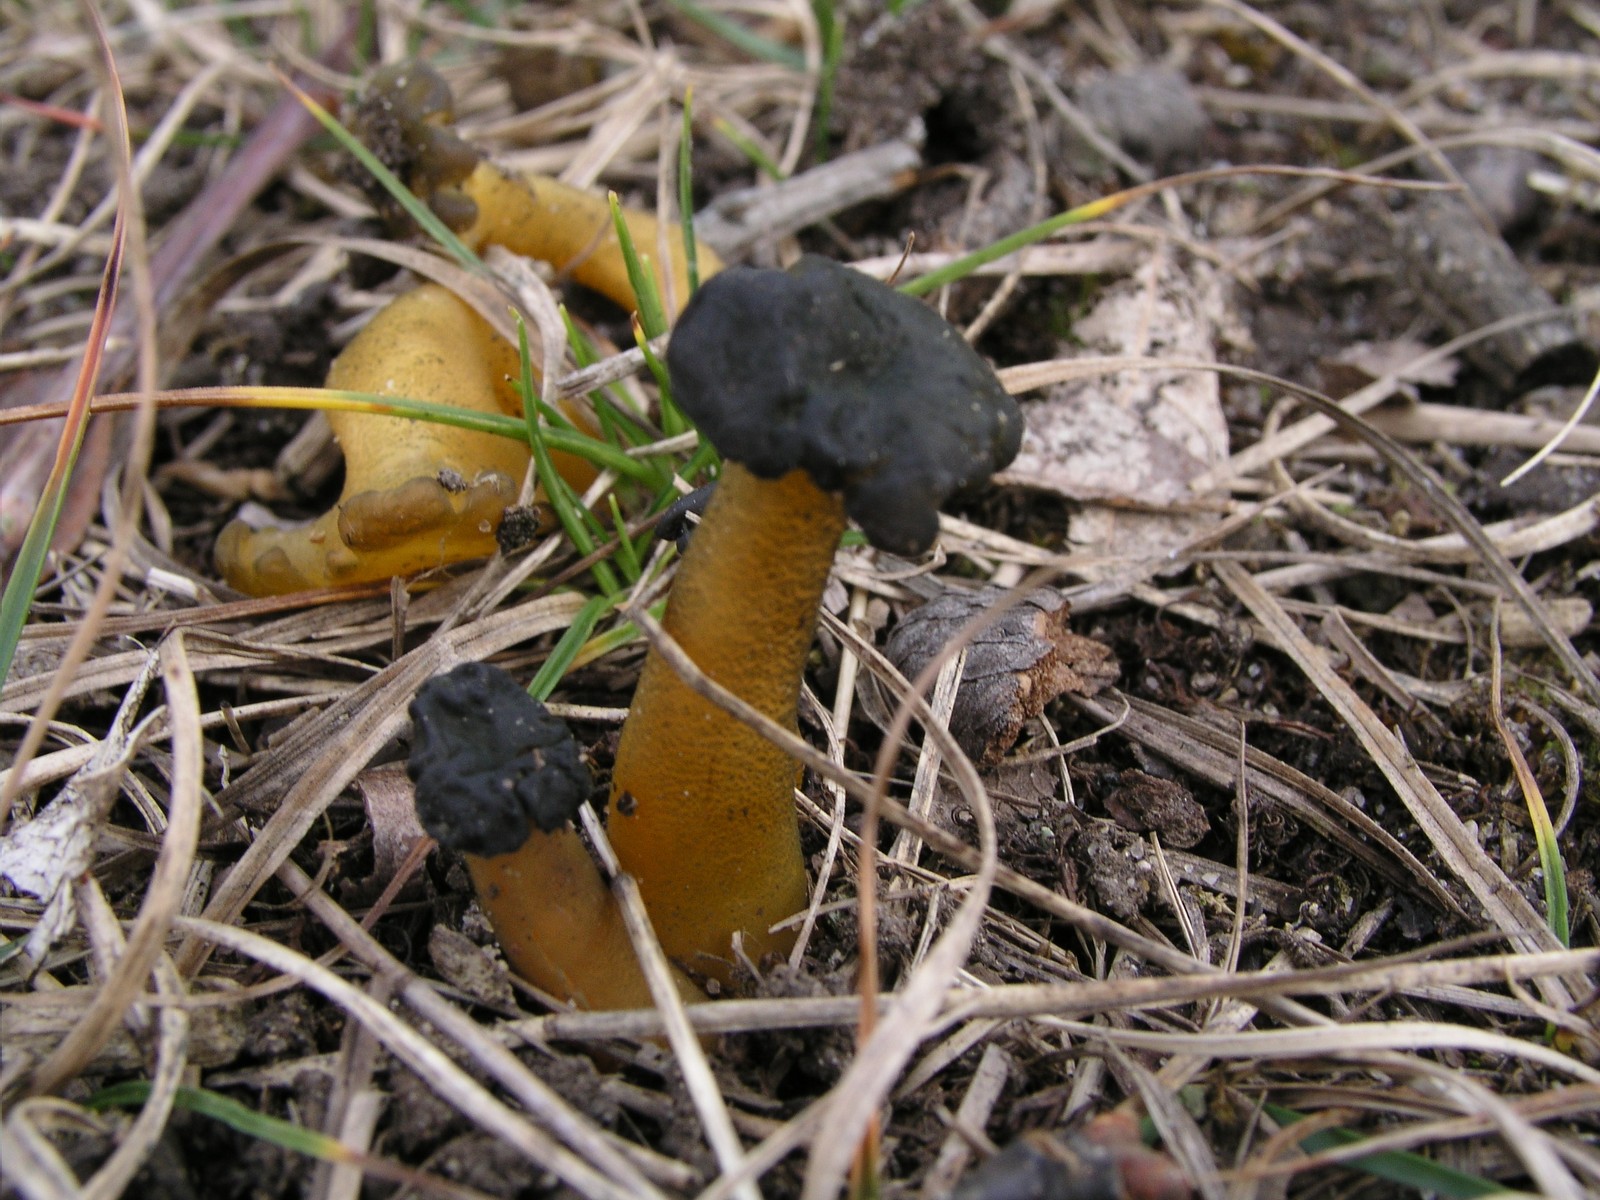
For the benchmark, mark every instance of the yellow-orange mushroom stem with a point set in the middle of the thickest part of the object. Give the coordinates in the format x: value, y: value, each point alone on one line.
x: 572, y: 230
x: 558, y: 925
x: 702, y: 807
x: 828, y: 394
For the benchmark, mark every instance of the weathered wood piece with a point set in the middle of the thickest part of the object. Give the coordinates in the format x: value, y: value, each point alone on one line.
x: 1467, y: 277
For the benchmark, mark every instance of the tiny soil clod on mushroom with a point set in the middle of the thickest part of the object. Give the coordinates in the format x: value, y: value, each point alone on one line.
x: 829, y: 395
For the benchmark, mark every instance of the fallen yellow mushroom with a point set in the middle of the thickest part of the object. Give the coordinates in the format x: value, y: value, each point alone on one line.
x: 572, y: 230
x: 418, y: 496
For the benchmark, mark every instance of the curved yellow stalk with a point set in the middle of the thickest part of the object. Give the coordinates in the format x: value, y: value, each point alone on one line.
x: 558, y: 925
x: 572, y: 230
x: 702, y: 807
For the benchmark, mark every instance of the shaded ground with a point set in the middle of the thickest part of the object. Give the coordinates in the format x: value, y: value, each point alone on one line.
x: 1319, y: 616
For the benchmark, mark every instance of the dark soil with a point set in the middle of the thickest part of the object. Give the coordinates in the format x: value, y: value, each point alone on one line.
x: 1333, y: 280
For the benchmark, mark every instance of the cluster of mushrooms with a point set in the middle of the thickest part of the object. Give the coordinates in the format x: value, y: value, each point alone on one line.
x: 830, y: 396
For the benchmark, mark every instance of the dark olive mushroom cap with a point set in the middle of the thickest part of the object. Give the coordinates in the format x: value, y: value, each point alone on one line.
x: 675, y: 525
x: 869, y: 390
x: 489, y: 761
x: 401, y: 117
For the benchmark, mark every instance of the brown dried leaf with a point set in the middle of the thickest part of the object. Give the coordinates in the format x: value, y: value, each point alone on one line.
x: 387, y: 795
x: 1103, y: 1161
x: 1016, y: 666
x: 1360, y: 363
x: 1144, y: 802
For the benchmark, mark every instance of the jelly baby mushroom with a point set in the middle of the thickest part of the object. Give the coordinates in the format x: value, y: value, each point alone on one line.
x: 419, y: 496
x: 830, y: 397
x: 499, y: 780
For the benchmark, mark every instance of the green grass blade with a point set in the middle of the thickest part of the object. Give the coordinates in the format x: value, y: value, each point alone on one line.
x: 627, y: 552
x: 830, y: 24
x: 758, y: 157
x: 1396, y: 1166
x: 736, y: 34
x: 964, y: 266
x: 968, y: 263
x: 691, y: 250
x: 601, y: 454
x: 616, y: 424
x: 614, y: 638
x: 553, y: 419
x: 596, y: 527
x: 231, y: 1113
x: 673, y: 422
x: 1557, y: 913
x: 330, y: 400
x: 557, y: 491
x: 704, y: 461
x: 642, y: 279
x: 28, y: 568
x: 584, y: 353
x: 616, y: 419
x: 571, y: 441
x: 277, y: 1132
x: 561, y: 658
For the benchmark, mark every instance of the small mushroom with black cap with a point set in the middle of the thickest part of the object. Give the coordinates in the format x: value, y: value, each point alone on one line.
x: 499, y: 779
x: 830, y: 396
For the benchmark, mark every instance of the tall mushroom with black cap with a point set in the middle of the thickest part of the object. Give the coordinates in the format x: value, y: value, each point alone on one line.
x: 498, y: 779
x: 830, y: 396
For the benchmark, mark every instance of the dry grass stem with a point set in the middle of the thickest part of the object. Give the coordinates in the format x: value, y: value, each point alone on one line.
x: 1287, y: 875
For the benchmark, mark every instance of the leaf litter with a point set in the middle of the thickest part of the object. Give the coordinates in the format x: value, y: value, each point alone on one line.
x: 1355, y: 938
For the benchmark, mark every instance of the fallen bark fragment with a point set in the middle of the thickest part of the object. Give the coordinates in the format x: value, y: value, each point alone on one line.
x: 1467, y: 277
